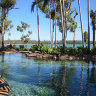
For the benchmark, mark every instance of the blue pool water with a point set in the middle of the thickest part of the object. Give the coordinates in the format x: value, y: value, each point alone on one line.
x: 31, y: 77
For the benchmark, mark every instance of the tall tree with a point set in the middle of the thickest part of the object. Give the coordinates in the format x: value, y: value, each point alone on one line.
x: 6, y: 6
x: 38, y: 23
x: 62, y: 21
x: 65, y: 6
x: 7, y: 27
x: 53, y: 18
x: 62, y: 7
x: 48, y: 7
x: 32, y: 9
x: 55, y: 27
x: 23, y: 27
x: 25, y: 37
x: 50, y: 23
x: 93, y: 22
x: 89, y: 25
x: 81, y: 23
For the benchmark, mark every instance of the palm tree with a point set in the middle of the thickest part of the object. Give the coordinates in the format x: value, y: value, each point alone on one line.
x: 55, y: 27
x: 52, y: 15
x: 81, y: 23
x: 89, y: 25
x: 64, y: 28
x: 45, y: 7
x: 93, y: 17
x: 32, y: 9
x: 63, y: 22
x: 65, y: 7
x: 50, y: 23
x: 53, y: 18
x: 38, y: 23
x: 75, y: 26
x: 62, y: 19
x: 6, y: 6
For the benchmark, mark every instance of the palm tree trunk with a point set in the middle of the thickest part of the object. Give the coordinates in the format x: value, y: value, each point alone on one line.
x: 89, y: 25
x: 74, y: 40
x: 55, y: 27
x: 62, y: 22
x: 81, y: 23
x: 64, y: 42
x: 65, y: 27
x: 53, y: 35
x: 93, y: 36
x: 50, y: 24
x: 3, y: 24
x: 38, y: 24
x: 2, y: 38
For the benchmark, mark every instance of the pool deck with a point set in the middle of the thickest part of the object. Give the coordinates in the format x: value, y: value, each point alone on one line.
x: 4, y: 87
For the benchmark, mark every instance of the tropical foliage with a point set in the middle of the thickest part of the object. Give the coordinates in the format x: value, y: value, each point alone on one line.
x: 59, y: 12
x: 25, y: 37
x: 93, y: 22
x: 5, y: 7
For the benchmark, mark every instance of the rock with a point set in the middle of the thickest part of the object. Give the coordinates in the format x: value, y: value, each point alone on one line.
x: 32, y: 55
x: 71, y: 58
x: 39, y: 56
x: 25, y: 52
x: 54, y: 57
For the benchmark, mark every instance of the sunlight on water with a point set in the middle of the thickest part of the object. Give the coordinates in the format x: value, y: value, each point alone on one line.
x: 31, y: 77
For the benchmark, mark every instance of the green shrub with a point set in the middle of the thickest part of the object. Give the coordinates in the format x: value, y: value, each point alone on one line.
x: 50, y: 50
x: 34, y: 48
x: 13, y: 50
x: 82, y: 50
x: 17, y: 49
x: 39, y: 47
x: 60, y: 49
x: 44, y: 49
x: 25, y: 49
x: 71, y: 51
x: 37, y: 52
x: 7, y: 49
x: 54, y: 51
x: 93, y: 51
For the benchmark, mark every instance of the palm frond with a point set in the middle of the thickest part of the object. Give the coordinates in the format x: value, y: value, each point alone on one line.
x: 46, y: 2
x: 33, y: 5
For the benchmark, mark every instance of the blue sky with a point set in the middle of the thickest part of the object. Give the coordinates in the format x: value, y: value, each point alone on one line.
x: 24, y: 14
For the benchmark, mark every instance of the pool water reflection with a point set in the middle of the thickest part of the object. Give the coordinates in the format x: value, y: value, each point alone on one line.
x: 31, y: 77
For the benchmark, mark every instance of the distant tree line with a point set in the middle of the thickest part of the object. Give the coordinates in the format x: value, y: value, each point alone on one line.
x: 43, y: 42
